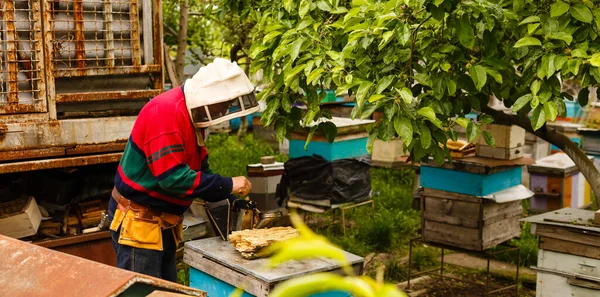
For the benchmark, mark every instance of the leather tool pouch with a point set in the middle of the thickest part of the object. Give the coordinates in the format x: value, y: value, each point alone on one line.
x: 138, y: 229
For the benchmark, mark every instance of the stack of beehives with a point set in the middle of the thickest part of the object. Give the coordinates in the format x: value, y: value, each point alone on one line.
x: 474, y: 203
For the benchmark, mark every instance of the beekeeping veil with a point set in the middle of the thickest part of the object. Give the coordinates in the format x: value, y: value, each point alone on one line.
x: 218, y: 92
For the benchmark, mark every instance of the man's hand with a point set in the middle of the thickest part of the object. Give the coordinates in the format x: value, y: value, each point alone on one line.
x: 241, y: 186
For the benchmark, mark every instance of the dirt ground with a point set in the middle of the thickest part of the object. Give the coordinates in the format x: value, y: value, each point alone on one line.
x: 435, y: 287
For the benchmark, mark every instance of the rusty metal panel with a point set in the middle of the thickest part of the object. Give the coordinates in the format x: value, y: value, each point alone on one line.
x: 31, y: 270
x: 22, y: 83
x: 34, y: 165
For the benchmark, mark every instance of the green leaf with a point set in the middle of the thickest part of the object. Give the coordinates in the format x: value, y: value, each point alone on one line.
x: 464, y: 30
x: 375, y: 97
x: 384, y: 83
x: 518, y: 5
x: 529, y: 20
x: 535, y: 102
x: 425, y: 136
x: 368, y: 111
x: 424, y: 79
x: 559, y: 61
x: 304, y: 8
x: 485, y: 119
x: 323, y: 5
x: 445, y: 66
x: 528, y: 41
x: 489, y: 139
x: 271, y: 36
x: 595, y: 60
x: 386, y: 37
x: 404, y: 128
x: 427, y: 112
x: 558, y: 8
x: 566, y: 37
x: 573, y: 65
x: 451, y: 85
x: 539, y: 118
x: 310, y: 136
x: 363, y: 89
x: 285, y: 103
x: 402, y: 33
x: 494, y: 74
x: 579, y: 53
x: 463, y: 122
x: 550, y: 110
x: 296, y: 46
x: 472, y: 131
x: 406, y: 94
x: 382, y: 18
x: 314, y: 75
x: 582, y: 13
x: 289, y: 5
x: 293, y: 73
x: 535, y: 86
x: 532, y: 27
x: 544, y: 96
x: 583, y: 97
x: 479, y: 76
x: 356, y: 3
x: 437, y: 2
x: 439, y: 88
x: 521, y: 102
x: 339, y: 10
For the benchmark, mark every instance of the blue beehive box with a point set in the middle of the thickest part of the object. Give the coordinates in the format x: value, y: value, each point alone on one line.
x: 473, y: 176
x: 351, y: 141
x: 218, y: 269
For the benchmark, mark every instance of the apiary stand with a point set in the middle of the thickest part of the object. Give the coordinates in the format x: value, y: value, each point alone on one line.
x: 217, y: 268
x: 439, y: 271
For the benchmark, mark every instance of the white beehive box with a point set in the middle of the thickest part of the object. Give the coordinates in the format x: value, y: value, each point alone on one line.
x: 20, y: 218
x: 505, y: 136
x: 387, y: 152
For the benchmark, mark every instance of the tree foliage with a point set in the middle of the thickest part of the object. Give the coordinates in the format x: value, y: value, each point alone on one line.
x: 425, y: 63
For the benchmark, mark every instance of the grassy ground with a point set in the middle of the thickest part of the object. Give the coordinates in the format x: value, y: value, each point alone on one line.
x: 382, y: 237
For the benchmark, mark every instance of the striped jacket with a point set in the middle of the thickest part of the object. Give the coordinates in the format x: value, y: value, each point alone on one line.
x: 162, y: 166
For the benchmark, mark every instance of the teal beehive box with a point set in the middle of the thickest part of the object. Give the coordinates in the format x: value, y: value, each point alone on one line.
x: 475, y: 176
x: 350, y: 142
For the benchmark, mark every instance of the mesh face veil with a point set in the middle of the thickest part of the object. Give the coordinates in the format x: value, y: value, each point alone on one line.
x: 219, y: 92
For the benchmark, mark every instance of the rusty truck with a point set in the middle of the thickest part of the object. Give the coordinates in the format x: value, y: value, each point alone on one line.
x: 73, y: 76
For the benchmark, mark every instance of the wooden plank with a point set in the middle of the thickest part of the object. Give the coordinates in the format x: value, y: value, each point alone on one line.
x: 451, y: 195
x: 501, y: 231
x: 569, y: 234
x: 135, y: 33
x: 492, y: 210
x: 109, y: 35
x: 147, y: 31
x: 456, y: 236
x: 454, y: 212
x: 569, y: 247
x: 251, y: 285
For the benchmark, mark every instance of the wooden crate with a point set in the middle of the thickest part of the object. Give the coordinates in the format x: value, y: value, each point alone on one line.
x: 557, y: 183
x: 20, y: 218
x: 591, y: 140
x: 504, y: 135
x: 500, y: 152
x: 468, y: 222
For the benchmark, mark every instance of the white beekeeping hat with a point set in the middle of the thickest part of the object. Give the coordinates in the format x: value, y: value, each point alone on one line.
x: 219, y: 92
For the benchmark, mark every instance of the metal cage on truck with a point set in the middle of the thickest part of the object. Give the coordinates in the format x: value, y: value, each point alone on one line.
x: 73, y: 76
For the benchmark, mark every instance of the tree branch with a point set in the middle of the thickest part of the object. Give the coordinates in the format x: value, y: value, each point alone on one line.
x: 585, y: 165
x: 171, y: 30
x: 412, y: 48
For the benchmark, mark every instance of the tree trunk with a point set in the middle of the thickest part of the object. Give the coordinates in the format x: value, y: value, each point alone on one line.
x: 585, y: 165
x: 182, y: 39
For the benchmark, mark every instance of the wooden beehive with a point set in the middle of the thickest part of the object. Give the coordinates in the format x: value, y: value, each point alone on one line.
x: 388, y: 153
x: 557, y: 183
x: 20, y: 218
x: 500, y: 152
x: 468, y: 222
x: 569, y: 253
x: 506, y: 136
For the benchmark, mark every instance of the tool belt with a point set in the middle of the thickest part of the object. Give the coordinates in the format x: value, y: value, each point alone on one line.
x: 141, y: 226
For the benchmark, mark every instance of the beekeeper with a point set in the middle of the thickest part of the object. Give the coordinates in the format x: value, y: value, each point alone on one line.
x: 165, y: 166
